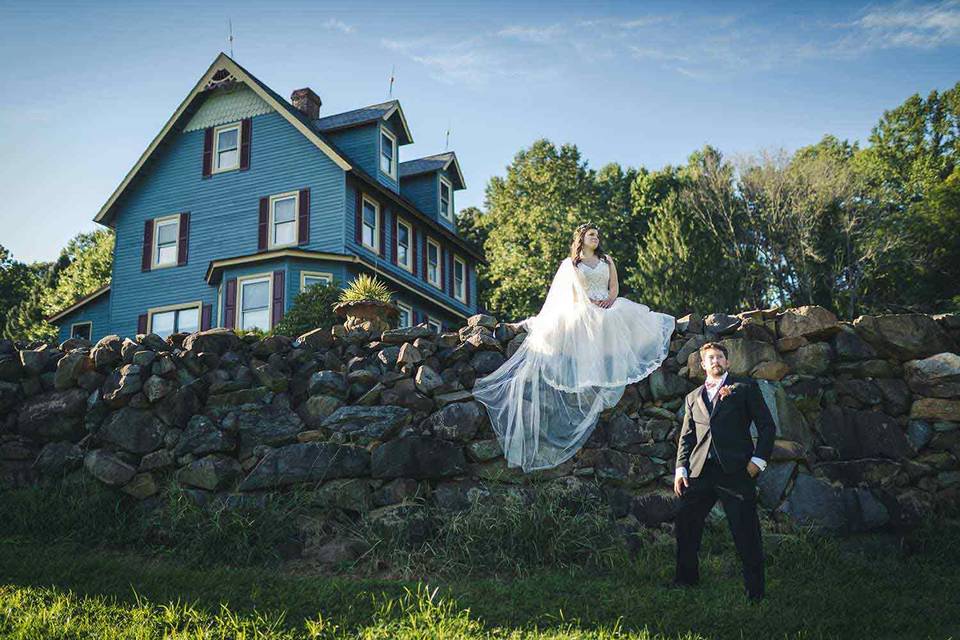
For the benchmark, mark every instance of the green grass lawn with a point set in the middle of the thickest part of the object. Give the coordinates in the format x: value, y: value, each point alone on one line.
x: 868, y: 587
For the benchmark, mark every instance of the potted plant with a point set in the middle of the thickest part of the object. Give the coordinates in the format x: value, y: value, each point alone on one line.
x: 366, y: 304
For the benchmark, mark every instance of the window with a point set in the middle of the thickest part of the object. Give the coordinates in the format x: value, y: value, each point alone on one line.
x: 283, y: 219
x: 405, y: 319
x: 82, y: 330
x: 310, y: 278
x: 165, y: 234
x: 388, y: 153
x: 226, y: 147
x: 434, y: 324
x: 254, y: 304
x: 371, y: 224
x: 404, y: 246
x: 167, y: 320
x: 445, y: 204
x: 434, y: 273
x: 459, y: 279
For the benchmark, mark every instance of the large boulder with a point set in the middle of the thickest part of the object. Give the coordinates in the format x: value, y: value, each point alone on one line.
x: 273, y: 425
x: 666, y: 386
x: 202, y: 436
x: 133, y: 430
x: 213, y: 472
x: 217, y: 341
x: 418, y: 457
x: 935, y: 409
x: 848, y: 345
x: 57, y: 415
x: 459, y: 421
x: 938, y: 375
x: 811, y: 359
x: 58, y: 458
x: 379, y: 422
x: 744, y: 355
x: 70, y: 367
x: 790, y: 422
x: 307, y: 462
x: 107, y: 353
x: 863, y: 434
x: 811, y: 322
x: 773, y: 482
x: 904, y: 336
x: 330, y: 383
x: 108, y: 468
x: 815, y: 503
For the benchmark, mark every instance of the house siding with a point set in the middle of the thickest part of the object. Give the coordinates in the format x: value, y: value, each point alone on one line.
x: 359, y: 144
x: 223, y: 214
x: 421, y: 190
x: 96, y: 311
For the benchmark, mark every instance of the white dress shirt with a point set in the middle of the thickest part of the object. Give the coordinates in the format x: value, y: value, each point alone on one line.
x: 712, y: 389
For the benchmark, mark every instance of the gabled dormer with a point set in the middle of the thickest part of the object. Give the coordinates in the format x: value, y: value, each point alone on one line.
x: 430, y: 183
x: 371, y: 137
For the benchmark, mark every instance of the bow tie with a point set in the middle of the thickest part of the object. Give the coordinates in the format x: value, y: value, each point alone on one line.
x: 712, y: 385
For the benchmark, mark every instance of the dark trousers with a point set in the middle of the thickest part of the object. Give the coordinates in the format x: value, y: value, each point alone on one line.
x: 737, y: 492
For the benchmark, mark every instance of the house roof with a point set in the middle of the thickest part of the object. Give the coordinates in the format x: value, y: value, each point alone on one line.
x: 79, y: 303
x: 436, y: 162
x: 225, y: 71
x: 383, y: 111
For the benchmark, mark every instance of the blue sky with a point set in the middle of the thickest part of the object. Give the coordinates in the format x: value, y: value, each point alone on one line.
x: 86, y: 85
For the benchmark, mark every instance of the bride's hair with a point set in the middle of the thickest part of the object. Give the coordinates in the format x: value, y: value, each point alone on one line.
x: 576, y: 247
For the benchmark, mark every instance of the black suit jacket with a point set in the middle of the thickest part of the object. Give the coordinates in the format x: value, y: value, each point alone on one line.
x: 726, y: 428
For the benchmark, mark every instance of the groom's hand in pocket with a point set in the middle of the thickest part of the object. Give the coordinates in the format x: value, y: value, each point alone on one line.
x: 680, y: 483
x: 753, y: 469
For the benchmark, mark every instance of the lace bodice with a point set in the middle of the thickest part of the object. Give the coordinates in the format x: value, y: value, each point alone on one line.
x: 596, y: 279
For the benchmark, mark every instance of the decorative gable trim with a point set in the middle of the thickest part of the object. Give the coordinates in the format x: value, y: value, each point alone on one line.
x: 222, y: 72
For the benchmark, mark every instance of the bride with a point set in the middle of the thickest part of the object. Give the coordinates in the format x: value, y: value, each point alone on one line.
x: 581, y: 350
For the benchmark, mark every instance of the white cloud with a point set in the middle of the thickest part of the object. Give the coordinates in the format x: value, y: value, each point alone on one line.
x: 338, y: 25
x: 538, y: 35
x: 912, y: 25
x: 657, y: 54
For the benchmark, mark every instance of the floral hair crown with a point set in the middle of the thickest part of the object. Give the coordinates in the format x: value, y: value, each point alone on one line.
x: 587, y: 225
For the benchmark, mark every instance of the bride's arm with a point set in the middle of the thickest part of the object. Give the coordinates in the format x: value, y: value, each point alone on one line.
x: 613, y: 286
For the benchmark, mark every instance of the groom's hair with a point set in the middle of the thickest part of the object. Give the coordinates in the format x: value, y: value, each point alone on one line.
x: 714, y: 345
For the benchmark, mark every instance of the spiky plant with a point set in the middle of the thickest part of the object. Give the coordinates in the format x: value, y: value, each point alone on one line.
x: 365, y: 287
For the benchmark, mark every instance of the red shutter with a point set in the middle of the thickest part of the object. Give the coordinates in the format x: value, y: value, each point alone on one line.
x: 359, y: 219
x: 423, y: 274
x: 142, y: 323
x: 277, y: 311
x: 383, y: 232
x: 230, y: 304
x: 413, y: 248
x: 396, y: 238
x: 147, y: 260
x: 246, y: 131
x: 264, y: 223
x: 303, y: 226
x: 207, y: 152
x: 413, y: 318
x: 206, y: 316
x: 466, y: 282
x: 183, y: 242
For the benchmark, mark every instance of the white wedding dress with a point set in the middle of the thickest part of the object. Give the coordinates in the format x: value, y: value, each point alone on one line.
x: 577, y: 358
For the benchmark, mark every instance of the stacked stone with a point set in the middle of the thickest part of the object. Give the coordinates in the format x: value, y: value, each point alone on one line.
x: 867, y: 415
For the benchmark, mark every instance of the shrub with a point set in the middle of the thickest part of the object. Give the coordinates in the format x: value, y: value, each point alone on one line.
x: 311, y: 309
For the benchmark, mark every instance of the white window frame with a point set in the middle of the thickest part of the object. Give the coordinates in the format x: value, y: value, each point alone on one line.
x: 404, y: 307
x: 296, y: 219
x: 313, y: 274
x: 198, y: 305
x: 463, y: 297
x: 380, y: 157
x: 250, y: 279
x: 377, y: 222
x: 155, y: 257
x: 214, y: 161
x: 439, y: 281
x: 409, y: 265
x: 449, y: 214
x: 431, y: 322
x: 83, y: 322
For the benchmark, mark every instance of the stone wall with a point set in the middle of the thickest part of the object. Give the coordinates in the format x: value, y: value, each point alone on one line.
x: 867, y: 415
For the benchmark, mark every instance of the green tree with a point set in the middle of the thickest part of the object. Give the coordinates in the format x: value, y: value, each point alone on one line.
x: 311, y: 309
x: 17, y: 280
x: 531, y: 214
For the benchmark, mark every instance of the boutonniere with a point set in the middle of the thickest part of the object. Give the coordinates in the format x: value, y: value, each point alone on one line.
x: 724, y: 391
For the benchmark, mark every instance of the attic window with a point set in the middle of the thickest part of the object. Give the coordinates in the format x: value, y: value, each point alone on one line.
x: 388, y: 153
x: 226, y: 152
x: 445, y: 206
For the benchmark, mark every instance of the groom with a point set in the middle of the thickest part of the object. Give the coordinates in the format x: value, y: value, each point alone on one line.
x: 716, y: 458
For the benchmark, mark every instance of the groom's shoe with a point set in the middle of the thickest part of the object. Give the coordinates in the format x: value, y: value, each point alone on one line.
x: 676, y: 583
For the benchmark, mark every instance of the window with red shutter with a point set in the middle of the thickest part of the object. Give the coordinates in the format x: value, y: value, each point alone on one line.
x: 147, y: 259
x: 303, y: 224
x: 263, y: 224
x: 246, y: 134
x: 230, y: 304
x: 183, y: 242
x: 207, y: 152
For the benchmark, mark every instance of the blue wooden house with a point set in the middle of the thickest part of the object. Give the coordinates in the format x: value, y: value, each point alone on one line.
x: 244, y: 199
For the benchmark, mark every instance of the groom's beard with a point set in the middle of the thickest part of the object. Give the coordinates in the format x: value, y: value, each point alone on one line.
x: 716, y: 371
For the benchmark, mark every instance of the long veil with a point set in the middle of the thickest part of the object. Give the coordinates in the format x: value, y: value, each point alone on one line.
x: 577, y: 358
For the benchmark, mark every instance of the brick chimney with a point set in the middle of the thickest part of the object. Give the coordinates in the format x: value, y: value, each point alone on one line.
x: 307, y: 102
